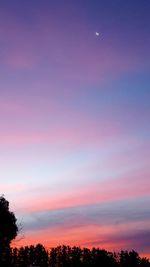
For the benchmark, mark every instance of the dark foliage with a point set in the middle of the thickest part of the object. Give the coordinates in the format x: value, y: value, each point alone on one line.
x: 8, y: 231
x: 66, y: 256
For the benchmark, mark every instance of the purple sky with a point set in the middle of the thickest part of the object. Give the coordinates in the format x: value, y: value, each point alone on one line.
x: 75, y: 121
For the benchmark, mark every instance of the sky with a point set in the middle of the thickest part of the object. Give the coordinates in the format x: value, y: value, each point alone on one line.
x: 75, y: 121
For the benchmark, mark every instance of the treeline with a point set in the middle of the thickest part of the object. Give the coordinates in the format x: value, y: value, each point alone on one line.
x: 66, y: 256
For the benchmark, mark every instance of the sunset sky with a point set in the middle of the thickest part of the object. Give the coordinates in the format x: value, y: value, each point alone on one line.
x: 75, y: 121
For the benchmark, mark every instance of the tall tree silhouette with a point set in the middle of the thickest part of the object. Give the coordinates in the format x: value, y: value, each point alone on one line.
x: 129, y: 259
x: 8, y: 231
x: 41, y: 256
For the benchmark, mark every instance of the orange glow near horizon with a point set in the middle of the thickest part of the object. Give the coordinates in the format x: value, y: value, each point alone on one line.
x: 84, y: 236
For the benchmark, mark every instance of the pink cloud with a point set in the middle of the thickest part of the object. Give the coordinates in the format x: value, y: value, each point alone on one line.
x: 88, y: 133
x: 116, y: 189
x: 9, y: 188
x: 73, y: 236
x: 23, y: 138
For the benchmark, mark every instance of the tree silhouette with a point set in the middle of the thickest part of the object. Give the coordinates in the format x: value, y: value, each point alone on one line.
x: 66, y: 256
x: 129, y: 259
x: 8, y: 231
x: 144, y: 262
x: 53, y: 257
x: 41, y: 256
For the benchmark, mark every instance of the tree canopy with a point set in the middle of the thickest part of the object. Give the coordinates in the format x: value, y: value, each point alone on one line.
x: 8, y: 231
x: 8, y: 225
